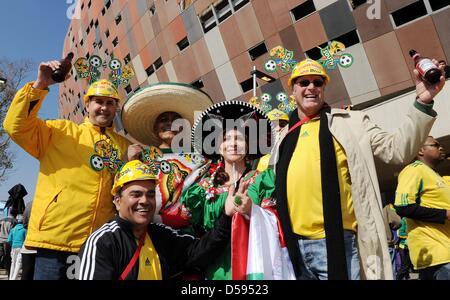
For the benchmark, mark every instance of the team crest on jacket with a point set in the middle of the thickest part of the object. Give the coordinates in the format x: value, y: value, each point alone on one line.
x: 106, y: 157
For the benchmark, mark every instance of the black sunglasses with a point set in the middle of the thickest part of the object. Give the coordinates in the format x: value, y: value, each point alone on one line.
x: 436, y: 145
x: 306, y: 82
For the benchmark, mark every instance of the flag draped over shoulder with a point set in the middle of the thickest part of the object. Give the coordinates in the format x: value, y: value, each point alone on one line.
x: 258, y: 250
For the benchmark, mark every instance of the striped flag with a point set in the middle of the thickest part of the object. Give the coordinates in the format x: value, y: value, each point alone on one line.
x: 258, y: 249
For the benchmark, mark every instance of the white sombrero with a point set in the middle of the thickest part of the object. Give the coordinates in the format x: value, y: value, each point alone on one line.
x: 140, y: 111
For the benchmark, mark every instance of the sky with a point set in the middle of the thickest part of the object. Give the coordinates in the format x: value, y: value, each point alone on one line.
x: 35, y: 30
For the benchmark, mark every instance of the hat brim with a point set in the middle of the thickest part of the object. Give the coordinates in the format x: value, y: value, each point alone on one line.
x: 140, y: 111
x: 232, y: 110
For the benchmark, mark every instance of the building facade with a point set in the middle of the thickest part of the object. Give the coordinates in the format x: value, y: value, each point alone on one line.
x: 215, y: 44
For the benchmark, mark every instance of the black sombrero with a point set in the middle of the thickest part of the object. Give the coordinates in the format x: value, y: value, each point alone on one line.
x: 228, y: 115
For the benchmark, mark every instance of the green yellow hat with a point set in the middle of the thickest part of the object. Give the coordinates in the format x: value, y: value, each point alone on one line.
x: 308, y: 67
x: 276, y: 114
x: 103, y: 88
x: 132, y: 171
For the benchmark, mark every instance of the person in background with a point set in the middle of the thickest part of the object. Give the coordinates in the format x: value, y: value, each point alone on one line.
x: 279, y: 121
x: 153, y: 117
x: 28, y: 255
x: 446, y: 67
x: 392, y: 224
x: 423, y: 198
x: 6, y: 224
x: 405, y: 261
x: 15, y: 239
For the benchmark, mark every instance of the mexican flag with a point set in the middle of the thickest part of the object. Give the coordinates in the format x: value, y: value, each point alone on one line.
x: 258, y: 249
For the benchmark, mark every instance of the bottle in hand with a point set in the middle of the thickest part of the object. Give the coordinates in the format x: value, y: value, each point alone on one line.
x: 60, y: 74
x: 427, y: 69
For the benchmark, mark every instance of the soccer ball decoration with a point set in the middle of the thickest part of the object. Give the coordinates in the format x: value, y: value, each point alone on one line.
x: 282, y: 97
x: 346, y: 60
x: 266, y: 97
x: 270, y: 66
x: 115, y: 64
x: 95, y: 61
x: 97, y: 162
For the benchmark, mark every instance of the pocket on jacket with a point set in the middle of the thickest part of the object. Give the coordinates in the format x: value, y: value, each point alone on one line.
x: 50, y: 206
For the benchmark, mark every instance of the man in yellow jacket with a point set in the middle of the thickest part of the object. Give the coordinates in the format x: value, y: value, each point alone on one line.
x: 77, y: 167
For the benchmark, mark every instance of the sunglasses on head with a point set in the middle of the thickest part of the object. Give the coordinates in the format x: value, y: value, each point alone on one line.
x: 306, y: 82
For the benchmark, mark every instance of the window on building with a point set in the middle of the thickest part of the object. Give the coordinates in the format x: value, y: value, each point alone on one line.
x: 303, y: 10
x: 88, y: 55
x: 91, y: 24
x: 198, y: 84
x: 115, y: 42
x: 349, y: 39
x: 100, y: 44
x: 237, y: 4
x: 103, y: 11
x: 82, y: 6
x: 81, y: 43
x: 107, y: 33
x: 118, y: 19
x: 356, y: 3
x: 247, y: 85
x: 108, y: 4
x: 90, y: 3
x: 183, y: 44
x: 96, y: 24
x: 223, y: 10
x: 127, y: 58
x: 88, y: 30
x: 128, y: 89
x: 409, y: 13
x: 314, y: 53
x: 150, y: 70
x: 208, y: 21
x: 438, y: 4
x: 152, y: 9
x: 257, y: 51
x: 158, y: 63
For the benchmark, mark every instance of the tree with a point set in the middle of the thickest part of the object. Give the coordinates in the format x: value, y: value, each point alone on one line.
x: 14, y: 72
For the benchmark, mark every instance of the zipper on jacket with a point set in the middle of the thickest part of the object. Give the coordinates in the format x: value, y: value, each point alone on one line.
x: 55, y: 199
x: 102, y: 172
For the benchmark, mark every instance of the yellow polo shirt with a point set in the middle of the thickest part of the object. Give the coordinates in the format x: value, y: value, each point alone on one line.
x: 304, y: 185
x: 429, y: 243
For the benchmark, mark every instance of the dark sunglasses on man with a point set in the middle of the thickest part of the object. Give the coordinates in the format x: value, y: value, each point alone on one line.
x: 436, y: 145
x: 306, y: 82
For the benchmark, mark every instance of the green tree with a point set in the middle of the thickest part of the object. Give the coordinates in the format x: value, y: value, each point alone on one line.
x: 14, y: 72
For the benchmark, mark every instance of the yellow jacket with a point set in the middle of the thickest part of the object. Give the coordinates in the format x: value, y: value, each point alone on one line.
x: 72, y: 199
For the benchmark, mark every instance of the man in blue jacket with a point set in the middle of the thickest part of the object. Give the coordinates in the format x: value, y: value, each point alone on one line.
x: 15, y: 239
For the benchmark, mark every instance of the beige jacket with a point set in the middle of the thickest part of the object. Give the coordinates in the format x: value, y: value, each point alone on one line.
x: 362, y: 140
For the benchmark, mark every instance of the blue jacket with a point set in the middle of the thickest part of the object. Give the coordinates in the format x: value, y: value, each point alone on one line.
x: 17, y: 236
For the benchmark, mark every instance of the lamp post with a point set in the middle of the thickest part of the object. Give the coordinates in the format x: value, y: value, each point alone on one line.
x: 263, y: 76
x: 2, y: 84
